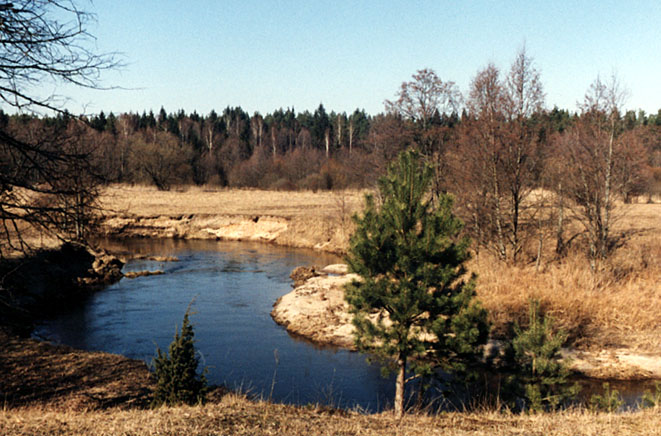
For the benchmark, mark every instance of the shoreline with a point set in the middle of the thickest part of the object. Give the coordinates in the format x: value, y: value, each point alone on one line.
x: 300, y: 219
x: 282, y: 231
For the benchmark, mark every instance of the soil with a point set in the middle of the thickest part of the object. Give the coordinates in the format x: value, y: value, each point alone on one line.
x: 319, y: 221
x: 316, y: 310
x: 40, y: 284
x: 136, y: 274
x: 39, y: 373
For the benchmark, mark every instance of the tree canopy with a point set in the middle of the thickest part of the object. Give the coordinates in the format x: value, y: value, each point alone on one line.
x: 413, y: 307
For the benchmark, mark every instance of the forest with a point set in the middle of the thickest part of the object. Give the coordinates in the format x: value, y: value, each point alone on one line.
x: 520, y: 173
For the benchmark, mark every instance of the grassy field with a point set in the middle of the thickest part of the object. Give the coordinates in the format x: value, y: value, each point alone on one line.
x: 148, y: 201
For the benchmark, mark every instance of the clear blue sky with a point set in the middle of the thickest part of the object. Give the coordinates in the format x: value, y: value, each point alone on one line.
x: 263, y: 55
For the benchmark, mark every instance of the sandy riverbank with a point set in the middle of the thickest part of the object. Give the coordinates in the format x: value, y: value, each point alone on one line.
x: 316, y: 310
x: 320, y: 221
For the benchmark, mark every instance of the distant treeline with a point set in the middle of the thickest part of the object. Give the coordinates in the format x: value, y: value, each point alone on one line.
x: 285, y: 150
x: 520, y: 174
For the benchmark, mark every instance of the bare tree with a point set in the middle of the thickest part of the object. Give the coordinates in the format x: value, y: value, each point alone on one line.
x: 594, y: 151
x: 524, y: 98
x: 479, y: 161
x: 424, y: 101
x: 44, y: 42
x: 424, y: 97
x: 163, y: 161
x: 499, y: 157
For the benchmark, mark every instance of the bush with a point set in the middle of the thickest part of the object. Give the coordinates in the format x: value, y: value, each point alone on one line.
x: 652, y: 399
x: 609, y: 402
x: 176, y: 371
x: 541, y: 378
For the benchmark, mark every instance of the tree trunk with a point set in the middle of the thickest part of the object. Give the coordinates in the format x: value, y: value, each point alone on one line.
x: 560, y: 226
x: 603, y: 243
x: 350, y: 135
x: 327, y: 140
x: 273, y: 144
x: 399, y: 386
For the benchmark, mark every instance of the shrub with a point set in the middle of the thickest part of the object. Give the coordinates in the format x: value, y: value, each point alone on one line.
x: 176, y: 371
x: 609, y: 401
x: 541, y: 376
x: 652, y: 399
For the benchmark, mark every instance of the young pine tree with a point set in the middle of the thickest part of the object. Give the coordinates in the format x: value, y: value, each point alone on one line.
x: 541, y: 377
x: 412, y: 308
x: 176, y: 371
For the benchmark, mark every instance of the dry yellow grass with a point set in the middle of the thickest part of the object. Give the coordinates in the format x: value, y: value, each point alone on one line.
x: 235, y: 415
x: 148, y: 201
x: 617, y: 306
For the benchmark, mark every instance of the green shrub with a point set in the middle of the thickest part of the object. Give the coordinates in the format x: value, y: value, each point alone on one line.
x: 609, y: 401
x: 176, y: 371
x: 652, y: 399
x: 541, y: 377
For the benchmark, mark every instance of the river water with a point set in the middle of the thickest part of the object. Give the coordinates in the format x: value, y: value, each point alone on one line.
x: 233, y: 285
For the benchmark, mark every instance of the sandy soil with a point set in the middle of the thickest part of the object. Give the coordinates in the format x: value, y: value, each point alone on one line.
x: 316, y: 310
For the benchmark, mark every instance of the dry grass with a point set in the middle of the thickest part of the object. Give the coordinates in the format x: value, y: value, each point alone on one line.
x: 148, y: 201
x: 619, y: 305
x: 234, y: 415
x: 38, y: 373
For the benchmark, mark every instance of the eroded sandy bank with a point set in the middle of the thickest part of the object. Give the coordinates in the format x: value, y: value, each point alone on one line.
x: 319, y: 221
x: 287, y: 231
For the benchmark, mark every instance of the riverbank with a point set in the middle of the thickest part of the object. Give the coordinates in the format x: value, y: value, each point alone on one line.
x: 43, y: 282
x: 38, y: 374
x: 320, y: 221
x: 316, y: 310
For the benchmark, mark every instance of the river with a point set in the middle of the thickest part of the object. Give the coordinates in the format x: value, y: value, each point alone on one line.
x: 232, y: 287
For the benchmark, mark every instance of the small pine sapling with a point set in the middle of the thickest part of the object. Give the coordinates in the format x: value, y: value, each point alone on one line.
x: 413, y: 307
x: 178, y: 381
x: 541, y: 377
x: 652, y: 399
x: 609, y: 401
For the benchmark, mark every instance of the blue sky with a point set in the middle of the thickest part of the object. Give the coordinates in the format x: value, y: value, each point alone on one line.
x: 263, y: 55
